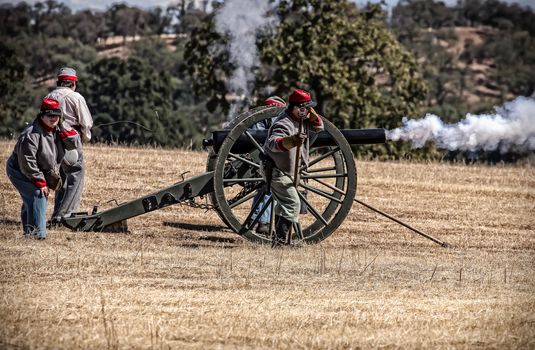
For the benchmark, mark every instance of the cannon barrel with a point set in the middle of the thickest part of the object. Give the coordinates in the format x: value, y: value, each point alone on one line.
x: 244, y: 144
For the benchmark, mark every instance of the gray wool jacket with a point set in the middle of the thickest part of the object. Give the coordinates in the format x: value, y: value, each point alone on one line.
x: 284, y: 126
x: 39, y: 151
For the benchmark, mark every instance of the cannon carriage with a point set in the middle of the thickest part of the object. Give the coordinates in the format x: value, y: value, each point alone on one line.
x: 237, y: 190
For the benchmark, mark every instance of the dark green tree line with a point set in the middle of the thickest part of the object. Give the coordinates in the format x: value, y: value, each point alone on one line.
x: 346, y: 57
x: 143, y: 98
x: 365, y: 70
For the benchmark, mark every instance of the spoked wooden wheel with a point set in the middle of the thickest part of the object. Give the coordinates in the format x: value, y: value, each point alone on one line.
x: 239, y: 189
x: 268, y: 112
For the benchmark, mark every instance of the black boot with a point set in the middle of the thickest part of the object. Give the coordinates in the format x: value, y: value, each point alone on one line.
x: 281, y: 232
x: 263, y: 228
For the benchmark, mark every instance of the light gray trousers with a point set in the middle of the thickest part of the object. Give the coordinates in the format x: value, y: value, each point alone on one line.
x: 68, y: 198
x: 288, y: 202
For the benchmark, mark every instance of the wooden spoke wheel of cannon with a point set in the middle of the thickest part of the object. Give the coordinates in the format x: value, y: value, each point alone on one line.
x: 269, y: 111
x: 239, y: 189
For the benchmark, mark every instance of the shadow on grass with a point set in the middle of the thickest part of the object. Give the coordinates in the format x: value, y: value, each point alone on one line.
x: 200, y: 245
x: 194, y: 227
x: 9, y: 222
x: 225, y: 242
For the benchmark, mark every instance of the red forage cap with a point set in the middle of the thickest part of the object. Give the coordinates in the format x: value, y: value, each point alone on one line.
x: 50, y: 106
x: 301, y: 98
x: 67, y: 73
x: 274, y: 101
x: 49, y: 103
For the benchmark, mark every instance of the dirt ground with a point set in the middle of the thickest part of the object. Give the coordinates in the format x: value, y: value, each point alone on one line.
x: 180, y: 279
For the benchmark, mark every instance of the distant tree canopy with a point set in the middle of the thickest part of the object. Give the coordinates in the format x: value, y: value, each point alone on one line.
x: 142, y: 97
x: 14, y: 94
x: 148, y: 91
x: 507, y: 50
x: 348, y: 58
x: 364, y: 69
x: 435, y: 14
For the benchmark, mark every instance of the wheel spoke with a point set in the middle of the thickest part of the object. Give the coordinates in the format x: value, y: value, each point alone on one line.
x: 334, y: 188
x: 255, y: 143
x: 298, y: 231
x: 322, y: 157
x: 272, y: 217
x: 261, y: 212
x: 318, y: 170
x: 253, y: 209
x: 245, y: 179
x: 242, y: 200
x: 244, y: 160
x: 323, y: 176
x: 312, y: 209
x: 321, y: 193
x: 257, y: 218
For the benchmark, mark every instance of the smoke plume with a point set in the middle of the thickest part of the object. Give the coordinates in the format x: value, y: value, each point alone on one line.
x: 242, y: 19
x: 511, y: 127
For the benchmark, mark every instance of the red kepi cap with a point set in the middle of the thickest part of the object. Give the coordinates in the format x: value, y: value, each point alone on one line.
x: 301, y: 98
x: 274, y: 101
x: 50, y: 106
x: 67, y: 73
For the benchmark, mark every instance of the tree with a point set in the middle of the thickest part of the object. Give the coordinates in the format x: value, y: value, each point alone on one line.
x: 48, y: 18
x: 87, y: 26
x: 171, y: 63
x: 354, y: 66
x: 188, y: 17
x: 422, y: 13
x: 359, y: 73
x: 15, y: 20
x: 15, y: 99
x: 207, y: 62
x: 132, y: 103
x: 127, y: 21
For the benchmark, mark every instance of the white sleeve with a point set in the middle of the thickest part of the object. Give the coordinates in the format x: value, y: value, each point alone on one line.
x: 85, y: 119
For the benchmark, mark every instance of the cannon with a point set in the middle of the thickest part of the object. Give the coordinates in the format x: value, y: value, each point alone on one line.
x: 234, y: 182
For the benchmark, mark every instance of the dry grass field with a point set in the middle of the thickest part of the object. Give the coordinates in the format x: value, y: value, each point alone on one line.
x: 180, y: 279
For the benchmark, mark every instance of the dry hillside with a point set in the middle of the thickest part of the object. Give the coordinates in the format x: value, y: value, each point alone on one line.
x: 179, y: 279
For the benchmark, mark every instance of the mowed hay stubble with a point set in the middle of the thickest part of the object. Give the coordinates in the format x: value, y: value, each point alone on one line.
x: 181, y: 279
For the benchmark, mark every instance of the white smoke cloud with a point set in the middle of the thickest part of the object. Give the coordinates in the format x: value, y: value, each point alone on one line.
x: 242, y: 20
x: 512, y: 126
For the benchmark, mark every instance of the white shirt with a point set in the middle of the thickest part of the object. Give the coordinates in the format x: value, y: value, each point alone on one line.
x: 74, y: 109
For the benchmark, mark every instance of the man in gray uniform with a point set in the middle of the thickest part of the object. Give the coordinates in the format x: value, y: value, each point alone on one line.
x: 281, y: 145
x: 75, y: 115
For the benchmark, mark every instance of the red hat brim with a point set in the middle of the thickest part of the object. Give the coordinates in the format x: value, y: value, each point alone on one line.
x: 68, y: 77
x: 56, y: 112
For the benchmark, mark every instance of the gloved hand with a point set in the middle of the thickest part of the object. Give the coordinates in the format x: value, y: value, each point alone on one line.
x: 292, y: 141
x: 53, y: 179
x: 313, y: 116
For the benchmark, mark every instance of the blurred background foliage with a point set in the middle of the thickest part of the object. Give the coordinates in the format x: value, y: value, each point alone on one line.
x: 159, y: 76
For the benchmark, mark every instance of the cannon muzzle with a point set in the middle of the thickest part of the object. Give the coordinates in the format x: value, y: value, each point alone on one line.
x: 323, y: 139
